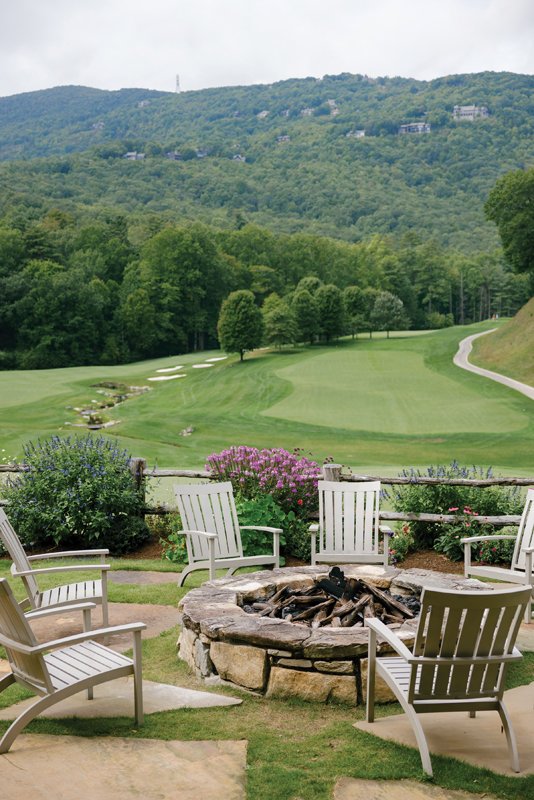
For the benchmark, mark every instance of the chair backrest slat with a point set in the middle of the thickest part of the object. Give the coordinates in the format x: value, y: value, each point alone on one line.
x: 13, y: 545
x: 29, y: 669
x: 465, y: 625
x: 525, y: 533
x: 348, y: 517
x: 210, y: 508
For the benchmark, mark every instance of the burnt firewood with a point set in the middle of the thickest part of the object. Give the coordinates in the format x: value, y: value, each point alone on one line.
x: 388, y: 601
x: 369, y: 609
x: 330, y: 587
x: 308, y: 613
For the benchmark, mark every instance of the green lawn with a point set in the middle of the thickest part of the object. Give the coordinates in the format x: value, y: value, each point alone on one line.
x: 377, y: 405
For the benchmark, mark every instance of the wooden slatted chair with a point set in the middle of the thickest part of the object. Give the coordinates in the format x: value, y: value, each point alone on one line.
x: 463, y: 645
x: 520, y: 569
x: 63, y: 667
x: 94, y: 591
x: 212, y: 531
x: 349, y: 529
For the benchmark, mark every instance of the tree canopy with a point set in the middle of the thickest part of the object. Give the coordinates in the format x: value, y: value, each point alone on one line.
x: 510, y: 206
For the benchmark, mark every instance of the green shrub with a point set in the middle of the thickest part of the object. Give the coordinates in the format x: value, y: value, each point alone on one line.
x: 77, y: 493
x: 440, y: 498
x: 173, y: 545
x: 499, y: 552
x: 261, y: 511
x: 400, y: 544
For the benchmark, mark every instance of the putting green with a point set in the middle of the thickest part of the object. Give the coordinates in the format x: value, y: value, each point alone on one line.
x: 384, y: 391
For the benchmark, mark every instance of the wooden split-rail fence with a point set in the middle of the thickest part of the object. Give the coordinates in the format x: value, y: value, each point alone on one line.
x: 142, y: 474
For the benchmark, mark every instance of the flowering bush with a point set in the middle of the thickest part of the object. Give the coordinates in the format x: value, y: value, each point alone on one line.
x: 496, y: 552
x: 438, y: 498
x: 77, y: 492
x: 290, y: 479
x: 449, y: 541
x: 400, y: 544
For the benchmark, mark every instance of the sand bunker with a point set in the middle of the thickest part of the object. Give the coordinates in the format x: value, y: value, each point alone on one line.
x: 201, y: 366
x: 219, y: 358
x: 166, y: 377
x: 170, y: 369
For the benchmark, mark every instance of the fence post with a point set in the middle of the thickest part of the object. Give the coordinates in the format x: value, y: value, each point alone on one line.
x: 332, y: 472
x: 137, y: 468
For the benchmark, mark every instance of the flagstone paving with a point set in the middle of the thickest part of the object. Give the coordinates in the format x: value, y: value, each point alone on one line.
x: 104, y: 768
x: 479, y: 741
x: 354, y: 789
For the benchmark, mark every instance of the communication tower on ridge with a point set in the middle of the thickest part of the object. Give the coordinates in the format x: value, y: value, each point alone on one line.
x: 177, y: 90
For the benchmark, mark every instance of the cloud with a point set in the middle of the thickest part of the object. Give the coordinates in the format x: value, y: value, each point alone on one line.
x: 109, y: 44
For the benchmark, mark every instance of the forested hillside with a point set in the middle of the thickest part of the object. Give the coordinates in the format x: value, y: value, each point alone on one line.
x: 286, y: 156
x: 304, y: 193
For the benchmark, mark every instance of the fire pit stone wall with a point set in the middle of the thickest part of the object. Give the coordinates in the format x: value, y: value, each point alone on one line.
x: 277, y: 658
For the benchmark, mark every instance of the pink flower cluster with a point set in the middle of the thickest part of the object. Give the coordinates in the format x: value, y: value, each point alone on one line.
x: 290, y: 478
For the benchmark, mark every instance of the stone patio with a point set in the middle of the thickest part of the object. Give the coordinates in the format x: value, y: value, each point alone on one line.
x: 104, y: 768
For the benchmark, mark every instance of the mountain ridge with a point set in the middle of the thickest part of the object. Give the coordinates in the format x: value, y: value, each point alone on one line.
x: 284, y: 155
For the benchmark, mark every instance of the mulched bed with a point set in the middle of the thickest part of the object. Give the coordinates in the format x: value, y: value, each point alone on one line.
x: 424, y: 559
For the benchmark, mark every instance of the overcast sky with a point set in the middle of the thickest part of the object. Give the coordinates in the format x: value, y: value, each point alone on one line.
x: 110, y: 44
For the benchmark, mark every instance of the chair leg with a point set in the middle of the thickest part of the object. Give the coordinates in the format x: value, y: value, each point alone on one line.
x: 185, y: 572
x: 24, y: 719
x: 138, y: 678
x: 371, y: 673
x: 510, y: 736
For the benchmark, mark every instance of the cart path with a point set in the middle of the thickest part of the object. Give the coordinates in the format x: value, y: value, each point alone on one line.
x: 461, y: 359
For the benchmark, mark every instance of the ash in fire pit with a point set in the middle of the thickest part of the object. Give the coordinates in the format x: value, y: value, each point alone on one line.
x: 337, y: 601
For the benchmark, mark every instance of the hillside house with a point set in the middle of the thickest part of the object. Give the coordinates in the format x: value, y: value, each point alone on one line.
x: 174, y: 155
x: 334, y: 110
x: 262, y: 114
x: 355, y: 134
x: 98, y: 126
x: 134, y: 156
x: 470, y: 113
x: 282, y: 139
x: 306, y: 112
x: 239, y: 157
x: 415, y: 127
x: 143, y: 103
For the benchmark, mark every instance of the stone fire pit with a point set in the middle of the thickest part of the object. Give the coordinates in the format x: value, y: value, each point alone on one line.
x: 278, y: 658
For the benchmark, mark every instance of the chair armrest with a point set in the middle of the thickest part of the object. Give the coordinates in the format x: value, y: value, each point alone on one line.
x: 198, y: 533
x: 69, y: 554
x: 387, y: 635
x: 527, y: 549
x: 45, y: 612
x: 276, y: 531
x: 86, y: 636
x: 64, y: 568
x: 313, y: 528
x: 470, y: 539
x: 386, y: 530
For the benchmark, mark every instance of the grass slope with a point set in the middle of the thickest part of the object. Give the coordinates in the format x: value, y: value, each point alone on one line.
x: 368, y: 403
x: 510, y: 350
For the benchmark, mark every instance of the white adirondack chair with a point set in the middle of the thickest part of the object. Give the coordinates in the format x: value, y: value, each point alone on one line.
x: 520, y: 570
x: 94, y: 591
x: 463, y: 645
x: 63, y: 667
x: 349, y: 529
x: 212, y: 531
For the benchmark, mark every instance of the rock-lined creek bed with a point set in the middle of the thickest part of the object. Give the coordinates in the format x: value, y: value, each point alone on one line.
x: 278, y: 658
